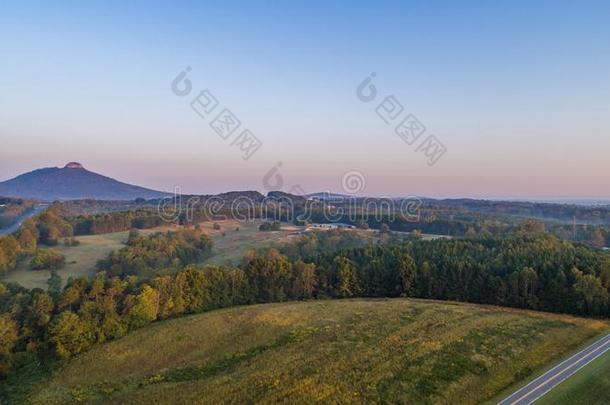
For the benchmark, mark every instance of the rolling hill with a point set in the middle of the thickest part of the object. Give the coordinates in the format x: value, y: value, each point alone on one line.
x: 72, y: 182
x: 339, y: 351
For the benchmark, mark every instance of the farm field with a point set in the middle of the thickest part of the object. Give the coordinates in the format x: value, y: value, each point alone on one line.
x: 590, y: 386
x: 356, y: 351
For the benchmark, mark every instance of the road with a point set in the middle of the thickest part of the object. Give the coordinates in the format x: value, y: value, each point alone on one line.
x: 13, y: 228
x: 561, y: 372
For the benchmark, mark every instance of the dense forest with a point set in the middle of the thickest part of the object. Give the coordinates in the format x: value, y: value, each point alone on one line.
x: 585, y: 214
x: 535, y: 272
x: 447, y: 217
x: 115, y: 222
x: 452, y: 217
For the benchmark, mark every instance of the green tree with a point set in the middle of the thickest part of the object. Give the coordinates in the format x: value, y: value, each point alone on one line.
x: 4, y: 261
x: 604, y: 274
x: 73, y: 294
x: 268, y: 276
x: 592, y: 292
x: 11, y: 249
x: 166, y: 287
x: 8, y: 339
x: 54, y: 284
x: 531, y: 227
x: 41, y: 309
x: 70, y: 335
x: 143, y: 308
x: 191, y: 292
x: 347, y: 279
x: 304, y: 280
x: 425, y: 281
x: 28, y: 240
x: 408, y: 275
x: 52, y: 227
x: 45, y: 259
x: 528, y: 284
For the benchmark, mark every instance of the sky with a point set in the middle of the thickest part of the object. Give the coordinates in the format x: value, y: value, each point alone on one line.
x: 515, y: 93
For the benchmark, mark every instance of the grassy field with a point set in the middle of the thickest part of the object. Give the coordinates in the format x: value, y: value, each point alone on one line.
x: 341, y: 351
x: 590, y: 386
x: 230, y: 248
x: 230, y: 244
x: 81, y: 260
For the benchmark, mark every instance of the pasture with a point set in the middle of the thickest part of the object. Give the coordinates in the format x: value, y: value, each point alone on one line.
x: 230, y: 244
x: 340, y: 351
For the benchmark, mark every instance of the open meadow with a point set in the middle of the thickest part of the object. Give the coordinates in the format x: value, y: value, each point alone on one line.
x: 230, y: 245
x: 80, y: 260
x: 340, y: 351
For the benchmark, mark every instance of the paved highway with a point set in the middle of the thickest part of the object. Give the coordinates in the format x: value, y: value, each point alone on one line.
x: 13, y: 228
x: 561, y: 372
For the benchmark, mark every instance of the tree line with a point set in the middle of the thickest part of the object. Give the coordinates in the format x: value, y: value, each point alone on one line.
x: 539, y: 273
x: 455, y: 218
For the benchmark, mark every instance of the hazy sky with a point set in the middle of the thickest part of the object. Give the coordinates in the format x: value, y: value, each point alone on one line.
x: 517, y: 92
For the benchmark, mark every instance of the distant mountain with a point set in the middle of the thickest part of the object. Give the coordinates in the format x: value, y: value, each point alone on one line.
x: 233, y: 195
x: 328, y: 196
x: 72, y: 182
x: 280, y: 195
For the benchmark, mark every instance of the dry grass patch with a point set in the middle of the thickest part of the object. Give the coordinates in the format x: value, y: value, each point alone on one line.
x: 347, y: 351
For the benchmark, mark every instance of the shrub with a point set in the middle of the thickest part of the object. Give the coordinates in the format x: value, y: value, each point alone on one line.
x: 46, y: 259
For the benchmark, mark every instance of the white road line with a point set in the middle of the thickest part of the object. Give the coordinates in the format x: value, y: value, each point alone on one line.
x: 565, y: 370
x: 543, y: 379
x: 584, y: 365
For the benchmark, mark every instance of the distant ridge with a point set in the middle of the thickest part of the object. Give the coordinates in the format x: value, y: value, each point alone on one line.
x: 72, y: 182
